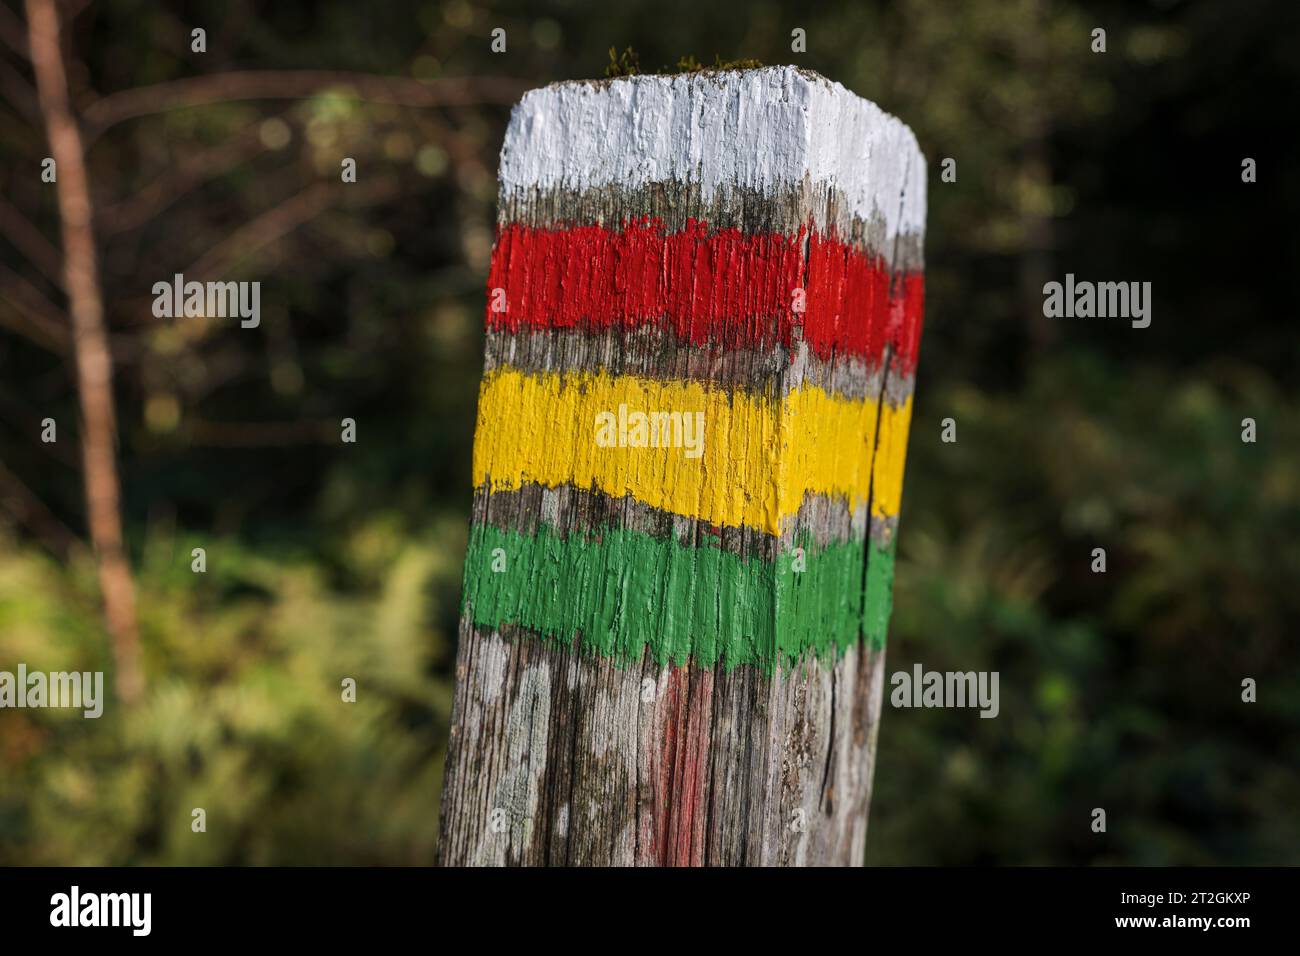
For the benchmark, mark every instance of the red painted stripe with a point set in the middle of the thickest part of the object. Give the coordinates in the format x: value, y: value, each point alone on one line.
x: 679, y: 767
x: 720, y: 287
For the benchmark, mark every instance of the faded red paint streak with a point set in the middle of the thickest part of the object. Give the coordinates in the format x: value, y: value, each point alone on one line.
x: 691, y: 773
x: 662, y: 761
x: 681, y: 766
x: 718, y: 287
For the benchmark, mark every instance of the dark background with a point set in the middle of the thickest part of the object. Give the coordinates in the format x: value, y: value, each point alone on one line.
x: 1119, y: 690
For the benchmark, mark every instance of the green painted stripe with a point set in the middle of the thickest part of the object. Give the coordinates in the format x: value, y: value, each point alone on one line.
x: 623, y: 591
x: 880, y: 593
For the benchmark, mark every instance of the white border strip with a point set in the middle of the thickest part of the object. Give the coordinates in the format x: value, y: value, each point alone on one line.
x: 768, y: 130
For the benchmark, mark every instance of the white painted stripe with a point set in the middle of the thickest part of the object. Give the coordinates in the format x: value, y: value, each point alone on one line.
x: 768, y: 130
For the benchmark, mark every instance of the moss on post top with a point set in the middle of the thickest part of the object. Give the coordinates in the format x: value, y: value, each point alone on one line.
x: 628, y: 63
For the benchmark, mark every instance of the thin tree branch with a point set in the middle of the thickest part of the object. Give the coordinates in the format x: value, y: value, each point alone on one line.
x: 29, y: 240
x: 296, y: 85
x: 272, y: 225
x: 19, y: 93
x: 36, y: 311
x: 280, y: 220
x: 94, y: 362
x: 72, y: 9
x: 459, y: 148
x: 31, y: 512
x: 18, y: 413
x: 20, y: 323
x: 12, y: 32
x: 163, y: 191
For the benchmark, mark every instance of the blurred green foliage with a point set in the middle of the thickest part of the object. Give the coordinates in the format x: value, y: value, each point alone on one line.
x: 1119, y: 690
x: 244, y: 716
x: 325, y: 561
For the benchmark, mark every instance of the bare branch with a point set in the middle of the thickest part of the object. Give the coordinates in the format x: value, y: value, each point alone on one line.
x: 73, y: 9
x: 29, y: 240
x: 296, y: 85
x: 19, y: 93
x: 31, y: 512
x: 94, y: 361
x: 280, y: 220
x: 21, y: 323
x: 38, y: 318
x: 462, y: 151
x: 12, y: 32
x: 137, y: 210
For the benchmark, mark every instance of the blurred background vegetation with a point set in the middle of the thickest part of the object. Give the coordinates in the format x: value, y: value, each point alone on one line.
x: 327, y: 561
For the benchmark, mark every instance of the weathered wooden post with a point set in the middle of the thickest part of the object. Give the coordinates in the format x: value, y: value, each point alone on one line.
x: 703, y: 318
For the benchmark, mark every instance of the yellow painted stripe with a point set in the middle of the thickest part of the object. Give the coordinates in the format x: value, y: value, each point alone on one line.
x: 760, y: 456
x: 891, y: 454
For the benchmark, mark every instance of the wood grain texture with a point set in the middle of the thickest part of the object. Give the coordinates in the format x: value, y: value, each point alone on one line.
x: 562, y: 756
x: 587, y: 762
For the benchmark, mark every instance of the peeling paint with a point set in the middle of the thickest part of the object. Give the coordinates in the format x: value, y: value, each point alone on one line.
x: 765, y: 130
x: 624, y: 592
x: 760, y: 457
x: 718, y: 287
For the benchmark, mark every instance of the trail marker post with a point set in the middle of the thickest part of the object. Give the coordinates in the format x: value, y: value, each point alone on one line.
x: 704, y: 309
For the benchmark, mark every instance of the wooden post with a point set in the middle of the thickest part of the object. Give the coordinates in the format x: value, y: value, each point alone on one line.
x: 704, y: 308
